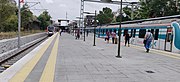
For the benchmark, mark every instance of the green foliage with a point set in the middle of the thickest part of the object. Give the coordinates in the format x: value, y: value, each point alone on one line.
x: 127, y: 11
x: 105, y: 16
x: 9, y: 18
x: 44, y: 18
x: 7, y: 12
x: 158, y: 8
x: 26, y: 17
x: 123, y: 18
x: 11, y: 24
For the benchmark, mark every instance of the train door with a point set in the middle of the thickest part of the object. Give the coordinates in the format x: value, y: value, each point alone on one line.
x: 168, y: 40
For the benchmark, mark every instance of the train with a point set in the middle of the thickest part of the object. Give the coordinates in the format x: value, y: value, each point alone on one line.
x: 51, y: 30
x: 166, y: 33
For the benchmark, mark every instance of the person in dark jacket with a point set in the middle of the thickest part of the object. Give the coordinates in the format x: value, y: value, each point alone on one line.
x: 107, y: 36
x: 127, y: 37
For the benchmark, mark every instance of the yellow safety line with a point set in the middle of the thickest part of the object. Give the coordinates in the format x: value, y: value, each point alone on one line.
x: 21, y: 75
x: 48, y: 73
x: 168, y: 54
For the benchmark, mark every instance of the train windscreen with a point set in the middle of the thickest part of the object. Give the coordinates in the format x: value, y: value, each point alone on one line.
x: 50, y: 29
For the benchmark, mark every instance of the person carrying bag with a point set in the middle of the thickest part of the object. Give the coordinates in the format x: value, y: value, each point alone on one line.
x: 147, y: 40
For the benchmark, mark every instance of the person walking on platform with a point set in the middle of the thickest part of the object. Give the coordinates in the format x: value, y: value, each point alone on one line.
x: 147, y: 40
x: 107, y: 36
x: 127, y: 37
x: 77, y: 34
x: 61, y: 32
x: 113, y: 34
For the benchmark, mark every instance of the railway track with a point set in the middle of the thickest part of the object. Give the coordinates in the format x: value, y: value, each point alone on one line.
x: 9, y: 59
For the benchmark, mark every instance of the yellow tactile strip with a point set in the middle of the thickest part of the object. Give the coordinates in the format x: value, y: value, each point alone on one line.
x: 48, y: 73
x: 28, y: 67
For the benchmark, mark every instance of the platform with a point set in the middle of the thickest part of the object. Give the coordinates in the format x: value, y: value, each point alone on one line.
x: 65, y: 59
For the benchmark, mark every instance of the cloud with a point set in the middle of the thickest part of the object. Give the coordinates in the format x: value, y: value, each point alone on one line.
x: 49, y: 1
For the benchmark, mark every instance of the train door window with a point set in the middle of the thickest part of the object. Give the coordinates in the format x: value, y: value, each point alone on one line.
x: 134, y: 34
x: 156, y: 34
x: 106, y: 30
x: 125, y: 31
x: 169, y: 35
x: 168, y: 40
x: 142, y: 33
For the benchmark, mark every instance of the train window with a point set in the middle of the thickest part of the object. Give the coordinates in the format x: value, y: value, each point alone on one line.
x: 134, y: 34
x: 168, y: 37
x: 125, y: 31
x: 142, y: 33
x: 50, y: 28
x: 156, y: 34
x: 152, y: 31
x: 106, y: 30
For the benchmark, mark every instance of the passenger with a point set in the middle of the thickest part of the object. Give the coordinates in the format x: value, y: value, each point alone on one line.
x: 107, y: 36
x: 147, y: 40
x: 127, y: 37
x: 113, y: 34
x: 78, y: 34
x: 61, y: 32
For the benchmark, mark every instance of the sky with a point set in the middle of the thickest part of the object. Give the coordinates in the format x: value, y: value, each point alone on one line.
x: 58, y: 8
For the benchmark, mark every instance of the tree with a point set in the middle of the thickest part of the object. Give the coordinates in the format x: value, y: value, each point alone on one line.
x: 11, y: 24
x: 158, y: 8
x: 105, y: 16
x: 126, y: 15
x: 172, y: 7
x: 44, y: 18
x: 26, y: 17
x: 7, y: 9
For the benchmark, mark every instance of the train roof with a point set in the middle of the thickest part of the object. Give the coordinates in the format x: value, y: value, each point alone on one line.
x: 164, y: 25
x: 157, y: 23
x: 146, y: 23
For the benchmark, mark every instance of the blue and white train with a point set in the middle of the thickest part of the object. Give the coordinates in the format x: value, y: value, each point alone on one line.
x: 166, y: 33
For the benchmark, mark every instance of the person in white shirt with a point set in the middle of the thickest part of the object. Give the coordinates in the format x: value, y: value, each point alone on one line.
x: 148, y: 39
x: 113, y: 34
